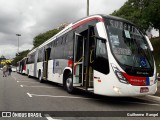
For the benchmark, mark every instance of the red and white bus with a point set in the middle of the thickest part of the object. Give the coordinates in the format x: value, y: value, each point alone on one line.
x: 21, y: 66
x: 102, y: 54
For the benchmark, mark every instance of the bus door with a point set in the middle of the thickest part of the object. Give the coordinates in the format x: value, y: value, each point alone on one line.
x: 78, y: 69
x: 89, y: 59
x: 45, y: 63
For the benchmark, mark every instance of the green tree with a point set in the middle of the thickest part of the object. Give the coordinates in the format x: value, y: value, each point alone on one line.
x: 153, y: 13
x: 144, y: 13
x: 41, y: 38
x: 20, y: 56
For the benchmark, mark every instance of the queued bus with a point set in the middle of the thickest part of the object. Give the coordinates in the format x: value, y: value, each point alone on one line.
x: 102, y: 54
x: 21, y: 66
x: 18, y: 67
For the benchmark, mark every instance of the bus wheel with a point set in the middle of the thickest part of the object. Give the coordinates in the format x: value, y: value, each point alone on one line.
x: 40, y: 77
x: 69, y: 85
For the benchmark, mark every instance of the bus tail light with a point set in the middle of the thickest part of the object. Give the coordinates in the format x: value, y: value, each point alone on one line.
x: 119, y: 74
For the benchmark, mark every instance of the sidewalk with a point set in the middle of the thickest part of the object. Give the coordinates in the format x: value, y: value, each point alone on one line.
x: 158, y: 89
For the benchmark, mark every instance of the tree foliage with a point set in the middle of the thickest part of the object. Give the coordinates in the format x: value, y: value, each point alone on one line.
x: 143, y: 13
x: 41, y: 38
x: 38, y: 40
x: 20, y: 56
x: 153, y: 13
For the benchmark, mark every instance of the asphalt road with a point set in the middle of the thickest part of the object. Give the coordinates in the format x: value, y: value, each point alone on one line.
x: 20, y: 95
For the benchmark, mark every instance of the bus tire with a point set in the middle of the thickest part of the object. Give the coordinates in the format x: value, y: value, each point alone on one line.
x: 40, y: 77
x: 69, y: 84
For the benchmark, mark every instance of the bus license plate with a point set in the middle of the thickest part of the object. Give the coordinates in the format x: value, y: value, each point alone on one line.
x: 144, y: 89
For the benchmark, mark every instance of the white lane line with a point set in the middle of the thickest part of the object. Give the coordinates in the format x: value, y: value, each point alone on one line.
x: 29, y: 94
x: 37, y: 86
x: 54, y: 96
x: 50, y: 118
x: 14, y: 78
x: 70, y: 97
x: 27, y: 81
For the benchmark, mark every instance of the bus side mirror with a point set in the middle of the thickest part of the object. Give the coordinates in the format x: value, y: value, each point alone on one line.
x: 100, y: 29
x: 102, y: 39
x: 149, y: 43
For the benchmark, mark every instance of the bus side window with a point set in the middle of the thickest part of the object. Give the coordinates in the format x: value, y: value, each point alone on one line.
x: 68, y: 46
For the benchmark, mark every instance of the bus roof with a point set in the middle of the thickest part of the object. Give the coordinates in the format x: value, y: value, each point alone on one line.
x: 72, y: 26
x: 76, y: 24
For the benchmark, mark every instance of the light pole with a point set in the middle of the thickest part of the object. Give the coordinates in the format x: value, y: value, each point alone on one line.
x: 18, y: 41
x: 87, y: 7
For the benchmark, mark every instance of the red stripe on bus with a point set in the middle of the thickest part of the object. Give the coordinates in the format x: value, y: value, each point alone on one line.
x: 24, y: 68
x: 135, y: 80
x: 70, y: 63
x: 87, y: 20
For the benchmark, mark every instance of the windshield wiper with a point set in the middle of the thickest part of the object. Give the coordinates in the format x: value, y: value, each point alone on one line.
x: 134, y: 55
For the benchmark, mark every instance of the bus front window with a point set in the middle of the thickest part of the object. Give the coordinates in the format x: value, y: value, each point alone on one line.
x: 128, y: 45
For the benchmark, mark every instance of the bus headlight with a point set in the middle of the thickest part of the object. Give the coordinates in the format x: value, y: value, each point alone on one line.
x: 119, y: 74
x: 116, y: 89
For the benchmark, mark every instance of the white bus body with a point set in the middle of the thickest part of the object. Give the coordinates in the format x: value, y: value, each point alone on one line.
x: 21, y: 66
x: 102, y: 54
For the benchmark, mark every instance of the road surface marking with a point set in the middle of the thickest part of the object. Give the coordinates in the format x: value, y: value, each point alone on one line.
x: 27, y: 81
x: 29, y: 94
x: 57, y: 96
x: 14, y: 78
x: 37, y: 86
x: 70, y: 97
x: 50, y: 118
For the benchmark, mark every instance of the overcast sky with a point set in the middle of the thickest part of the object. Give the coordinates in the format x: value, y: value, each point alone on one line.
x: 32, y: 17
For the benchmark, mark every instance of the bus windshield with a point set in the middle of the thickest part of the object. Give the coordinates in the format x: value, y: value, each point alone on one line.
x: 128, y: 44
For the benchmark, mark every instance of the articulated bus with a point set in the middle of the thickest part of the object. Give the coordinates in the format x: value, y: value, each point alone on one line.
x: 102, y: 54
x: 21, y: 66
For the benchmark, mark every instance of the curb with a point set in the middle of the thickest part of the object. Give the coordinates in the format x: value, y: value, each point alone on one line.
x: 150, y: 98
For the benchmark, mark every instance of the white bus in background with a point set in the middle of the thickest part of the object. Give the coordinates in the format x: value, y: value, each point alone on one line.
x: 31, y: 63
x: 18, y: 67
x: 21, y: 66
x: 24, y: 67
x: 102, y: 54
